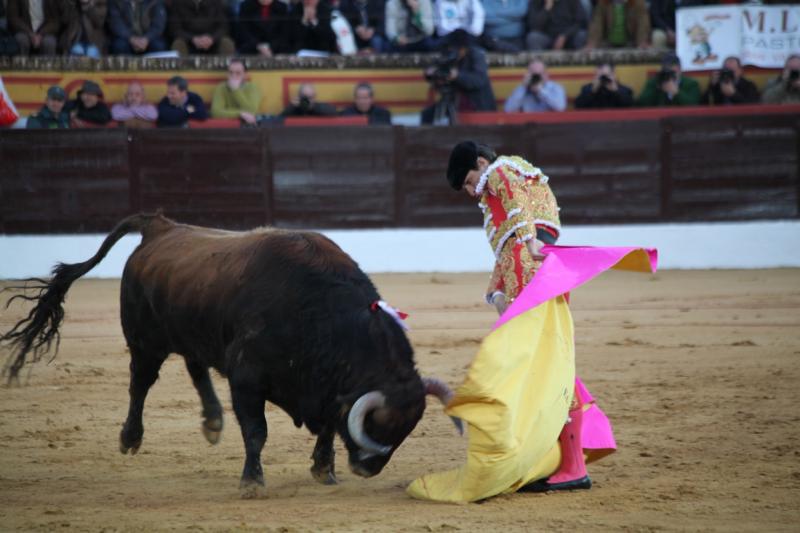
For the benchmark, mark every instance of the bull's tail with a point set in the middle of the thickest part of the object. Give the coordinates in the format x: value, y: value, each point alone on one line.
x: 32, y: 337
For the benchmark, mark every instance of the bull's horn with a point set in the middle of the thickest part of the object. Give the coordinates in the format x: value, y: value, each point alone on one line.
x: 439, y: 388
x: 355, y: 423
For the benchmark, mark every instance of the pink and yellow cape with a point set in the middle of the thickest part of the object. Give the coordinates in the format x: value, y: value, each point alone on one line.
x: 519, y: 387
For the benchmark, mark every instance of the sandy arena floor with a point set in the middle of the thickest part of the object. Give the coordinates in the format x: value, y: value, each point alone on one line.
x: 697, y: 370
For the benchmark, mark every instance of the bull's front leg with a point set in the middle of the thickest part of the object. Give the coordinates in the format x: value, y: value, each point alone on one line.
x: 248, y: 404
x: 323, y: 468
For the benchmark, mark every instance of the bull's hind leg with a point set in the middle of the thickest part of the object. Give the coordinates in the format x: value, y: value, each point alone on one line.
x: 248, y: 403
x: 144, y: 372
x: 323, y: 469
x: 212, y: 409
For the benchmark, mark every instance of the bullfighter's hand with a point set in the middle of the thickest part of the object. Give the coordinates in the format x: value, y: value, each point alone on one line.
x: 534, y: 248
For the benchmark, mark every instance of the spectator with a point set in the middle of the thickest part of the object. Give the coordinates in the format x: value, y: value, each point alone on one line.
x: 556, y: 25
x: 662, y: 20
x: 137, y: 26
x: 451, y: 15
x: 604, y: 91
x: 306, y: 104
x: 199, y: 27
x: 8, y: 44
x: 309, y: 28
x: 236, y: 97
x: 366, y: 18
x: 728, y: 86
x: 88, y: 110
x: 504, y: 26
x: 409, y: 25
x: 463, y: 85
x: 85, y: 32
x: 537, y: 92
x: 179, y: 105
x: 262, y: 27
x: 134, y: 111
x: 52, y: 114
x: 35, y: 25
x: 786, y: 88
x: 364, y: 105
x: 619, y: 23
x: 669, y: 87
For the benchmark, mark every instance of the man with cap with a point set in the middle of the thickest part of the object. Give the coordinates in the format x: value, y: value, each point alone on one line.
x: 520, y: 215
x: 51, y: 115
x: 668, y: 87
x: 88, y: 110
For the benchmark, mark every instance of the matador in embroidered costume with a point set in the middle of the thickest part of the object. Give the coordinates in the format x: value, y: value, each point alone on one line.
x: 520, y: 215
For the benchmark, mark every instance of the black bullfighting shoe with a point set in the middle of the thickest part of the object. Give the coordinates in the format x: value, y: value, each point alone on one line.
x: 543, y: 486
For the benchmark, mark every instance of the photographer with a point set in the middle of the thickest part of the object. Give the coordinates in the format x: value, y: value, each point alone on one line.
x: 306, y: 104
x: 668, y: 87
x: 537, y: 92
x: 727, y: 86
x: 605, y: 91
x: 461, y: 77
x: 786, y: 88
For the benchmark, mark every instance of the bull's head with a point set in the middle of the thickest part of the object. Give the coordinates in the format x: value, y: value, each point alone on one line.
x: 377, y: 424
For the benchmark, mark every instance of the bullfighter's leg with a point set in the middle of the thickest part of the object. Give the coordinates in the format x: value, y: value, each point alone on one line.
x: 248, y: 403
x: 323, y: 469
x: 144, y: 372
x: 212, y: 409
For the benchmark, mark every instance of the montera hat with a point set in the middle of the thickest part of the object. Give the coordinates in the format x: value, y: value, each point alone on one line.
x: 463, y: 158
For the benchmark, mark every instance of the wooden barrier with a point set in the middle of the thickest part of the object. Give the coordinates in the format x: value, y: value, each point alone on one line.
x: 670, y: 167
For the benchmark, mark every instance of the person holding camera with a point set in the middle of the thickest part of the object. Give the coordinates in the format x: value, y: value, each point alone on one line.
x: 306, y: 104
x: 727, y: 86
x: 604, y: 91
x: 461, y: 77
x: 786, y: 88
x: 537, y: 92
x: 668, y: 87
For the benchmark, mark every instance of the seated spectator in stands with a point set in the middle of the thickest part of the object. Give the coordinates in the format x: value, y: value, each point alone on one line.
x: 306, y: 105
x: 309, y: 28
x: 504, y: 25
x: 556, y: 25
x: 364, y: 105
x: 52, y: 115
x: 179, y: 105
x: 366, y: 18
x: 662, y: 20
x: 236, y: 97
x: 88, y: 110
x: 619, y: 23
x: 728, y: 86
x: 35, y: 25
x: 409, y: 25
x: 262, y: 27
x: 134, y: 111
x: 668, y: 87
x: 137, y: 26
x: 464, y: 86
x: 537, y: 92
x: 786, y: 88
x: 85, y: 32
x: 451, y: 15
x: 199, y: 27
x: 604, y: 91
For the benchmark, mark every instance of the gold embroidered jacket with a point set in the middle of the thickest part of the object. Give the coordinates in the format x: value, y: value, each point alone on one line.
x: 515, y: 200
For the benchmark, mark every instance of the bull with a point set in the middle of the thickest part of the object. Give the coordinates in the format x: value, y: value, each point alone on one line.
x: 287, y: 316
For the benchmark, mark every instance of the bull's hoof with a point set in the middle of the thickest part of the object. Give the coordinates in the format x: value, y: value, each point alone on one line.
x: 252, y: 490
x: 133, y: 447
x: 326, y: 477
x: 212, y: 429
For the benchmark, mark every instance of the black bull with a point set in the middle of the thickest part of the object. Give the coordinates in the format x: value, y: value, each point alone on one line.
x: 286, y: 316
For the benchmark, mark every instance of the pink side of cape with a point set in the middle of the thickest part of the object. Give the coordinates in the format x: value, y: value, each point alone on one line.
x: 564, y: 269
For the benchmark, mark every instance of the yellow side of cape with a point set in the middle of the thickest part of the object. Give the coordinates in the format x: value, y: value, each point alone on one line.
x: 515, y: 401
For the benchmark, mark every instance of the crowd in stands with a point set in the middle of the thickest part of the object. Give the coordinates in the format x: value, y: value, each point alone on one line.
x: 265, y: 27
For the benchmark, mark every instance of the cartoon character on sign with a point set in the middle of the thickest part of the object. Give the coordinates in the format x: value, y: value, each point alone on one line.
x: 701, y: 47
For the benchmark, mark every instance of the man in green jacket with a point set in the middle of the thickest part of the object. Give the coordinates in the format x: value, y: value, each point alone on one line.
x: 668, y: 87
x: 236, y: 97
x: 52, y: 115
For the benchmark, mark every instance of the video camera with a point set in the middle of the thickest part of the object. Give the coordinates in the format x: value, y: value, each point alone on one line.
x: 447, y: 61
x: 726, y: 75
x: 534, y: 80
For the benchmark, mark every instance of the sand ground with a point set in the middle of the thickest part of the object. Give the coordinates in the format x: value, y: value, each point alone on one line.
x: 696, y: 369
